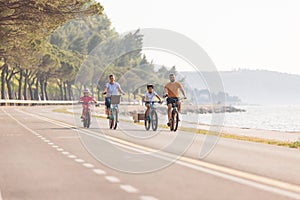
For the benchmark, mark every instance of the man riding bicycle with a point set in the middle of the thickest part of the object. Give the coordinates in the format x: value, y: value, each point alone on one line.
x: 171, y: 90
x: 111, y: 88
x: 86, y: 99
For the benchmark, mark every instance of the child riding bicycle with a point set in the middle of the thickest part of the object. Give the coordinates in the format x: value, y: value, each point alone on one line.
x: 150, y: 96
x: 86, y: 99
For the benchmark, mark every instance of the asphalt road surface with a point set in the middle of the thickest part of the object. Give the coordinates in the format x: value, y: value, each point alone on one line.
x: 48, y: 155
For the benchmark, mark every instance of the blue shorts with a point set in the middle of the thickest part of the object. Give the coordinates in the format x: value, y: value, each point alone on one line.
x: 107, y: 102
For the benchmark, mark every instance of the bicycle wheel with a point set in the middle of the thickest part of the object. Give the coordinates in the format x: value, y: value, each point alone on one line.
x: 84, y: 123
x: 88, y: 119
x: 111, y: 120
x: 154, y: 120
x: 116, y: 117
x: 147, y: 122
x: 175, y: 119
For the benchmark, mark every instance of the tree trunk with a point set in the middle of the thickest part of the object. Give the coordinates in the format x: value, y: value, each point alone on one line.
x: 20, y: 85
x: 25, y: 84
x: 36, y: 92
x: 46, y: 93
x: 42, y: 86
x: 32, y: 97
x: 3, y: 75
x: 61, y: 90
x: 69, y: 88
x: 8, y: 84
x: 65, y: 91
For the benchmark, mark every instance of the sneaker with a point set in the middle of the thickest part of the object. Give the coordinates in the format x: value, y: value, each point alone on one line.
x: 169, y: 124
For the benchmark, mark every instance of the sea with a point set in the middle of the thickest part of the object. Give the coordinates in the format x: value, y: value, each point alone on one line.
x: 285, y: 118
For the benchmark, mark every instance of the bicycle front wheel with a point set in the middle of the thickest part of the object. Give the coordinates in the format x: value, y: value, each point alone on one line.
x: 111, y: 120
x: 88, y: 119
x: 154, y: 120
x: 116, y: 118
x: 175, y: 119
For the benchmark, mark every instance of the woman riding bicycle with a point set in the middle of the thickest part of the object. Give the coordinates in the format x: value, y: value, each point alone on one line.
x: 149, y: 97
x: 171, y: 91
x: 111, y: 88
x: 86, y: 99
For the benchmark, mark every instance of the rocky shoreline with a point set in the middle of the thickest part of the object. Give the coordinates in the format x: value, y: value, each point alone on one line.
x: 200, y: 109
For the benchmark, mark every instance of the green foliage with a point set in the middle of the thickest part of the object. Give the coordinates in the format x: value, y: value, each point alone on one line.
x: 68, y: 42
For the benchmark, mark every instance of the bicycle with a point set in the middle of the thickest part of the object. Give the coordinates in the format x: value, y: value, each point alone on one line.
x: 152, y: 118
x: 86, y: 115
x: 114, y: 111
x: 174, y: 116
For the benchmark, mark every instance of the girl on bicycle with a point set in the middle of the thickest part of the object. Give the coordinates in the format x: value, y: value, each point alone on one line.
x: 150, y: 96
x: 86, y: 99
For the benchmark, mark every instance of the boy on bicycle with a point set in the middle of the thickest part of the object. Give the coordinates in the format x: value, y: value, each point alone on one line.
x: 86, y: 99
x: 150, y: 96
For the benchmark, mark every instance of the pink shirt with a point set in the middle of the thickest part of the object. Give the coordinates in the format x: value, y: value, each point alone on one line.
x: 86, y: 100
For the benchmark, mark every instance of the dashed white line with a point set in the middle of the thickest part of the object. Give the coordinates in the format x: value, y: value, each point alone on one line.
x: 79, y: 160
x: 112, y: 179
x: 50, y: 143
x: 54, y: 146
x: 1, y: 196
x: 99, y: 171
x: 59, y: 149
x: 72, y: 156
x: 46, y: 141
x: 65, y: 153
x: 148, y: 198
x: 88, y: 165
x: 129, y: 188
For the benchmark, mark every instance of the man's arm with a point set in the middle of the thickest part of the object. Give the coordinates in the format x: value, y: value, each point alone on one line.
x: 182, y: 91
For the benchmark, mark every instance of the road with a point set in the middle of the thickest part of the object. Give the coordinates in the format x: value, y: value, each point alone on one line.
x: 47, y: 155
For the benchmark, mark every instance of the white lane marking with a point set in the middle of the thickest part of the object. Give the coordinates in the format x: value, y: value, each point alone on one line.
x: 67, y: 137
x: 99, y: 171
x: 55, y: 146
x: 112, y: 179
x: 148, y: 198
x: 1, y: 196
x: 88, y: 165
x: 65, y: 153
x: 50, y: 143
x: 40, y: 136
x: 46, y: 141
x: 72, y: 156
x: 79, y: 160
x: 59, y: 149
x: 255, y: 181
x: 129, y: 188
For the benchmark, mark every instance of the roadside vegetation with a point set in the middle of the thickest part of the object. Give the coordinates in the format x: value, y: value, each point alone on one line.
x: 46, y: 51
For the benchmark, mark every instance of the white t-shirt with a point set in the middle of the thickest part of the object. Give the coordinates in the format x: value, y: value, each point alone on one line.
x: 112, y: 89
x: 150, y: 97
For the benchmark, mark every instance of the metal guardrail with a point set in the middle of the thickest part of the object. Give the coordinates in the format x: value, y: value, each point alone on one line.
x: 50, y: 102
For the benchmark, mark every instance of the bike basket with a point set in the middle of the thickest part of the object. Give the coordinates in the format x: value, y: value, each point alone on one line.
x: 141, y: 116
x: 115, y: 99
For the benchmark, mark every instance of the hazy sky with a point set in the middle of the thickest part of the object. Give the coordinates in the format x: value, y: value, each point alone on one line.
x: 253, y: 34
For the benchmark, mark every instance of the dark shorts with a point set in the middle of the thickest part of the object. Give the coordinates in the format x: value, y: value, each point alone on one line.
x: 172, y: 100
x: 107, y: 102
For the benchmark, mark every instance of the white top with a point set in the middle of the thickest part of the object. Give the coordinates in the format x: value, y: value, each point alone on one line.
x: 112, y: 89
x: 150, y: 97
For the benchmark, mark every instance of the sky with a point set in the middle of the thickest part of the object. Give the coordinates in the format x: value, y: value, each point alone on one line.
x: 247, y: 34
